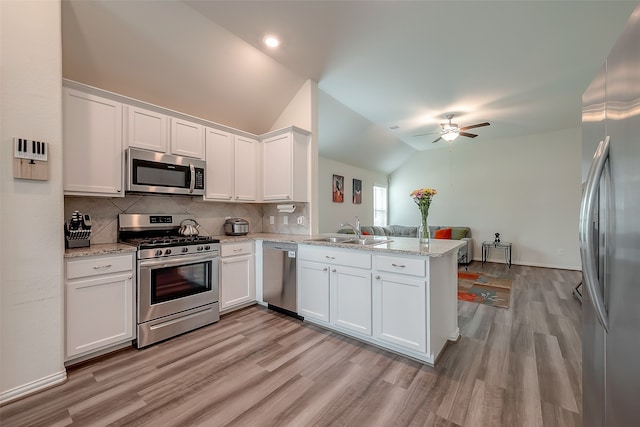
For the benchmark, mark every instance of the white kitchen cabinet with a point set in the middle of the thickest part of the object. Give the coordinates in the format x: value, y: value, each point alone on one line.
x: 406, y: 303
x: 237, y: 275
x: 92, y: 145
x: 99, y: 303
x: 351, y: 299
x: 399, y: 304
x: 286, y: 166
x: 232, y: 163
x: 147, y: 129
x: 400, y: 301
x: 187, y: 138
x: 332, y: 289
x: 313, y: 290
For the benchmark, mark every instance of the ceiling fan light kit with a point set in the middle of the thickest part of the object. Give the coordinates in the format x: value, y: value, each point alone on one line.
x: 450, y: 136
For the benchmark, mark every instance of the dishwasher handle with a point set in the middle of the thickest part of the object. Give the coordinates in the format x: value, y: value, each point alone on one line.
x: 288, y: 247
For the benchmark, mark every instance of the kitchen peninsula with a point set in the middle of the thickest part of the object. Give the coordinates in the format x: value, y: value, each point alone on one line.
x: 399, y: 295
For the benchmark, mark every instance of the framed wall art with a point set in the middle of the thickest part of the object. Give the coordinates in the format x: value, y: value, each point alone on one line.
x: 338, y: 188
x: 357, y: 191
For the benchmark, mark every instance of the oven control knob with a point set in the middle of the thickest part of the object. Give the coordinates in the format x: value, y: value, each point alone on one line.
x: 199, y: 248
x: 167, y: 252
x: 185, y: 249
x: 158, y: 252
x: 206, y: 248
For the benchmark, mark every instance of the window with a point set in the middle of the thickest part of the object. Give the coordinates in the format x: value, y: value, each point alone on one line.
x: 379, y: 206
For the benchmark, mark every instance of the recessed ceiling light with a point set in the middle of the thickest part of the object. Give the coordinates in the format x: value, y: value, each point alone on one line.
x: 271, y: 41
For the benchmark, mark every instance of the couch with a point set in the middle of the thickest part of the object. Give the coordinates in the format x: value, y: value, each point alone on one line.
x: 465, y: 253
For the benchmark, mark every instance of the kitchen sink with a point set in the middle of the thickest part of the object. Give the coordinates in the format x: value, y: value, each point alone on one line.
x: 350, y: 240
x: 367, y: 242
x: 329, y: 239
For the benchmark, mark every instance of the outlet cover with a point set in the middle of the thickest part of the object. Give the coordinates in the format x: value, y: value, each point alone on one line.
x: 285, y: 220
x: 272, y: 220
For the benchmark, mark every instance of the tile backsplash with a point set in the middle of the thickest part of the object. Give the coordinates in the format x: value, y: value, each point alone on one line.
x: 210, y: 215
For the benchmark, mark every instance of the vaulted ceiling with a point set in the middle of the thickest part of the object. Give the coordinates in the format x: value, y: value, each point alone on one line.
x: 521, y: 65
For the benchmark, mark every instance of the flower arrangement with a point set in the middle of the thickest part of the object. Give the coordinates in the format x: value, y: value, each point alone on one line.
x: 422, y: 197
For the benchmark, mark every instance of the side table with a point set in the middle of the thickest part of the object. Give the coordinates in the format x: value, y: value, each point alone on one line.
x: 506, y: 246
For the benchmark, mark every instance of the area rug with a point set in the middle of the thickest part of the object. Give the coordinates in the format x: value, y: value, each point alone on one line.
x: 484, y: 288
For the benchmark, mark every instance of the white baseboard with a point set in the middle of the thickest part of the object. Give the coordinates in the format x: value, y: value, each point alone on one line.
x: 33, y: 387
x: 533, y: 264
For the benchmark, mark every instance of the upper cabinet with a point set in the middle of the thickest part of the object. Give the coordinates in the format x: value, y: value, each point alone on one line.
x: 232, y: 164
x: 187, y: 138
x: 147, y: 129
x: 151, y: 130
x: 92, y: 137
x: 286, y: 166
x: 240, y: 167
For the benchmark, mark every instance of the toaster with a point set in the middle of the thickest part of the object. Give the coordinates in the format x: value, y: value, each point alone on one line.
x: 236, y: 227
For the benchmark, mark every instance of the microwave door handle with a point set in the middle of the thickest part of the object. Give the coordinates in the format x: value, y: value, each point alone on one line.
x: 587, y: 233
x: 192, y: 184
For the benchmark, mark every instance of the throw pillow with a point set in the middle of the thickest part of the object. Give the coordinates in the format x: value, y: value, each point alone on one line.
x: 458, y: 233
x: 443, y: 233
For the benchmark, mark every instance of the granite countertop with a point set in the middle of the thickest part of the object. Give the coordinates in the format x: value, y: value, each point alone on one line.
x: 99, y: 249
x: 398, y: 245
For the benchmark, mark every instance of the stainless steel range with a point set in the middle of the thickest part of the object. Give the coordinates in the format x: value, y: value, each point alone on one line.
x: 177, y: 276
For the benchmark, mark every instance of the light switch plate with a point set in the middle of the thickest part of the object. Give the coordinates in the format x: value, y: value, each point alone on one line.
x: 285, y: 220
x: 272, y: 220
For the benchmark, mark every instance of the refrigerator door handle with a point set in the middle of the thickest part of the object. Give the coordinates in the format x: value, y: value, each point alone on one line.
x: 586, y: 232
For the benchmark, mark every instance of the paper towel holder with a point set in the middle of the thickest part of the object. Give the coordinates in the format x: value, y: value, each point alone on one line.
x: 286, y: 208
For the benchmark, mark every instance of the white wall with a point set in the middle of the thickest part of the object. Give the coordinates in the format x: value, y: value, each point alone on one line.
x: 527, y: 189
x: 333, y: 214
x: 31, y: 273
x: 302, y: 112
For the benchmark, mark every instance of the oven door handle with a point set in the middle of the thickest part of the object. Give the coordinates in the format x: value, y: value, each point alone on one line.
x: 173, y: 262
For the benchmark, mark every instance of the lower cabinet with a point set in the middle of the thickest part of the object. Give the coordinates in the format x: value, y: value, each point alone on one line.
x: 313, y: 290
x: 331, y: 291
x: 237, y: 275
x: 400, y: 307
x: 386, y: 300
x: 99, y: 299
x: 351, y: 299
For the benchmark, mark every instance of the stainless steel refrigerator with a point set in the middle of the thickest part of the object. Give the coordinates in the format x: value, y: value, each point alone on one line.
x: 610, y: 237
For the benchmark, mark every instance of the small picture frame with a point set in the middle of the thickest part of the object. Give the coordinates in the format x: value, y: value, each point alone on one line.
x: 338, y: 188
x: 357, y: 191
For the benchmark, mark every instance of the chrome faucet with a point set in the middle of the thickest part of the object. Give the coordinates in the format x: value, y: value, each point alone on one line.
x: 355, y: 228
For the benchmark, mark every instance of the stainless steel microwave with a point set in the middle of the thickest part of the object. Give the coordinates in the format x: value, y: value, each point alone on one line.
x: 150, y: 172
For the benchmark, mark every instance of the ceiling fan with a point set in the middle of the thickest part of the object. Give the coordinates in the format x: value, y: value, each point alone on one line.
x: 450, y: 131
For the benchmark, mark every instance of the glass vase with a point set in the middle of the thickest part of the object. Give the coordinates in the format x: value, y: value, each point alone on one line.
x: 424, y: 230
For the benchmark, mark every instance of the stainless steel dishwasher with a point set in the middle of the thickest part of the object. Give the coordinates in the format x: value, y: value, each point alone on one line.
x: 279, y: 276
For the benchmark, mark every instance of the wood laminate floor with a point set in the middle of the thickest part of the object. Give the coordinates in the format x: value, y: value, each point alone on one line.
x: 512, y: 367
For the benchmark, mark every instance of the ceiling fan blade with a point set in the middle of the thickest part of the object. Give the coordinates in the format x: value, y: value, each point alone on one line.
x: 430, y: 133
x: 477, y: 125
x: 468, y: 135
x: 439, y: 138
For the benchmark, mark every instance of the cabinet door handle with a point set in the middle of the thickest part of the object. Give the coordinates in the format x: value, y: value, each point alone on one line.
x: 329, y: 257
x: 237, y: 250
x: 97, y: 267
x: 325, y: 269
x: 378, y: 277
x: 334, y: 270
x: 399, y: 265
